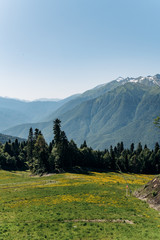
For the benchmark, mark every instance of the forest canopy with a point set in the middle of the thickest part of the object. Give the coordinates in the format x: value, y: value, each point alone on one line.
x: 63, y: 155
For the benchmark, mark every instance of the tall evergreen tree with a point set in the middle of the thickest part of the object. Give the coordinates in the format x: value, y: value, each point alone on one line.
x: 139, y: 148
x: 57, y: 131
x: 113, y: 160
x: 132, y: 148
x: 40, y: 156
x: 65, y: 159
x: 157, y: 147
x: 7, y: 148
x: 30, y: 147
x: 37, y: 132
x: 60, y: 149
x: 83, y: 145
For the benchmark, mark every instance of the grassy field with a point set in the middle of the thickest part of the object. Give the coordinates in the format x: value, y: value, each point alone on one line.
x: 74, y: 206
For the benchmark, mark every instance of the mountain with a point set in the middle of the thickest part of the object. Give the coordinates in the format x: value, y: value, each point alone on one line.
x: 100, y: 90
x: 14, y: 112
x: 122, y: 110
x: 6, y: 138
x: 123, y: 114
x: 87, y: 95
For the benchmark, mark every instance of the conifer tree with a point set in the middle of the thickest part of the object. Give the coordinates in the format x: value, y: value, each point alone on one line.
x: 113, y: 160
x: 57, y: 131
x: 139, y: 148
x: 37, y: 132
x: 30, y: 147
x: 60, y: 149
x: 157, y: 147
x: 132, y: 148
x: 7, y: 148
x: 40, y: 156
x: 83, y: 145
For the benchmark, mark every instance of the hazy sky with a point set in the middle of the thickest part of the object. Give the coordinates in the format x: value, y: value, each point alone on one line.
x: 55, y: 48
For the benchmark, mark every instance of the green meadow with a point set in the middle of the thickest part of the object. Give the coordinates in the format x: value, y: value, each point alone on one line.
x: 75, y: 206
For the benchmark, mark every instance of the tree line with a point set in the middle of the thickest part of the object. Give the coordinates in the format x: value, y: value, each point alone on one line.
x: 63, y: 155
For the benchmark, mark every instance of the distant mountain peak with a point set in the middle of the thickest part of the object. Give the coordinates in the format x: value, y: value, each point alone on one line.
x: 149, y: 80
x: 119, y: 79
x: 47, y: 100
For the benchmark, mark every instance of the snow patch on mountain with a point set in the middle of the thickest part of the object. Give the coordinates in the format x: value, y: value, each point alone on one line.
x: 119, y: 79
x: 149, y: 80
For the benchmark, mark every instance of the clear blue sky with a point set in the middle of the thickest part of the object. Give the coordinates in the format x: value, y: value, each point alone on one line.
x: 55, y: 48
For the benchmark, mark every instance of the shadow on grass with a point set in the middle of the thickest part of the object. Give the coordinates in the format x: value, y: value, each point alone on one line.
x: 87, y: 171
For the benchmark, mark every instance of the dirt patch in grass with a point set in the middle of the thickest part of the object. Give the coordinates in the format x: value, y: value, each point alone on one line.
x: 101, y: 221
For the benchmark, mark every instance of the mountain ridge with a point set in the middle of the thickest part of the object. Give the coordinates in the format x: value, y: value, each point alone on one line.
x: 109, y: 118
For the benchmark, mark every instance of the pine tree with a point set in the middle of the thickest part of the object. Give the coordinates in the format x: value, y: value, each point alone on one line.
x: 57, y: 131
x: 60, y: 149
x: 7, y: 148
x: 37, y: 132
x: 157, y: 147
x: 74, y: 154
x: 83, y: 145
x: 113, y: 160
x: 132, y: 148
x: 56, y: 152
x: 139, y: 148
x: 40, y: 156
x: 30, y: 147
x: 64, y: 151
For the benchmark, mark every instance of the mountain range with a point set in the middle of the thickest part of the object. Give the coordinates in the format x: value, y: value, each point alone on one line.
x: 121, y: 110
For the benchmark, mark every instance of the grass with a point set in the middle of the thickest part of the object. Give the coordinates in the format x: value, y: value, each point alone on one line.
x: 74, y: 206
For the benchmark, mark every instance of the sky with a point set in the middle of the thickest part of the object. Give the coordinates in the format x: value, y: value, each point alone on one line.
x: 57, y: 48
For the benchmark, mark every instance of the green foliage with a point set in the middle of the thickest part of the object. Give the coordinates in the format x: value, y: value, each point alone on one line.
x: 13, y: 156
x: 157, y: 122
x: 154, y: 194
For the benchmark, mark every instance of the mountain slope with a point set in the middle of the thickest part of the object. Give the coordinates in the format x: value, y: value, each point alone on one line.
x: 6, y: 138
x: 125, y: 113
x: 116, y: 116
x: 87, y: 95
x: 102, y: 89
